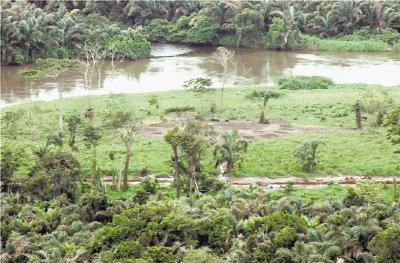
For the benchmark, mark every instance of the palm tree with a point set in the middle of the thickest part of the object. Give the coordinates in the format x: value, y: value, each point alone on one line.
x: 230, y: 149
x: 262, y: 97
x: 346, y: 15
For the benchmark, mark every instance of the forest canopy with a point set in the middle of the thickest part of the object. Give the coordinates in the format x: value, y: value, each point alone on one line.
x: 60, y: 29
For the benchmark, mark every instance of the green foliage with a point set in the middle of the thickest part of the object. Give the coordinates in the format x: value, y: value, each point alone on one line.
x: 304, y: 82
x: 305, y: 153
x: 392, y: 124
x: 248, y: 23
x: 157, y: 30
x: 386, y: 245
x: 230, y: 149
x: 179, y: 110
x: 123, y: 46
x: 198, y: 85
x: 54, y: 175
x: 204, y: 31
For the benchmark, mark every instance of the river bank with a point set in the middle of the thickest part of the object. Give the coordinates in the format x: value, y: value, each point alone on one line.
x: 294, y: 117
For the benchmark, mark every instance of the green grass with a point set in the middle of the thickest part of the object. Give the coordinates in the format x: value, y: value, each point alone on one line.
x: 343, y: 152
x: 346, y: 151
x: 332, y: 192
x: 372, y: 45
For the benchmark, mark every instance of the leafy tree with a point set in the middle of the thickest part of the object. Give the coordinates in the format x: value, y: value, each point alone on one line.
x: 172, y: 138
x: 189, y: 146
x: 91, y: 137
x: 153, y: 101
x: 125, y: 123
x: 204, y: 31
x: 262, y: 97
x: 392, y: 124
x: 57, y: 174
x: 230, y: 149
x: 249, y: 23
x: 305, y: 153
x: 73, y: 123
x: 386, y: 245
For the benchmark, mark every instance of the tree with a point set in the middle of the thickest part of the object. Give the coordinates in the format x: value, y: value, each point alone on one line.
x: 73, y: 123
x: 248, y: 23
x: 305, y: 153
x: 189, y: 146
x: 376, y: 104
x: 358, y: 111
x: 224, y: 57
x: 386, y: 245
x: 230, y: 149
x: 125, y: 123
x: 172, y: 138
x: 392, y: 124
x: 283, y: 32
x: 204, y: 30
x: 262, y: 97
x: 55, y: 68
x: 92, y: 137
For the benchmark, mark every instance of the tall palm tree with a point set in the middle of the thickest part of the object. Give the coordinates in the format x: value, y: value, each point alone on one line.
x: 230, y: 149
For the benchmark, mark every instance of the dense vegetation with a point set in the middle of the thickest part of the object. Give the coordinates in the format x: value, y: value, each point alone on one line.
x: 50, y: 214
x: 66, y: 165
x: 60, y: 29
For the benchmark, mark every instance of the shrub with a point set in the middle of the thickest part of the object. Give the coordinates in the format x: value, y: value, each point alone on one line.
x: 386, y: 245
x: 179, y: 110
x: 304, y: 82
x: 305, y: 153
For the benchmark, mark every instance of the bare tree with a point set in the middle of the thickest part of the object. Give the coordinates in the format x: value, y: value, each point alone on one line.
x: 224, y: 58
x: 94, y: 57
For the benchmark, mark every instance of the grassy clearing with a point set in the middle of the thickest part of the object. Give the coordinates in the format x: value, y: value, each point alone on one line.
x: 346, y: 151
x: 371, y: 45
x: 343, y: 152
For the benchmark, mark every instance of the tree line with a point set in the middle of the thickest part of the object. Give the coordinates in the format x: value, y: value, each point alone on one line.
x: 60, y: 29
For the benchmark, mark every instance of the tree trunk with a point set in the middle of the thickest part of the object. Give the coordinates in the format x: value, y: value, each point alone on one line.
x: 176, y: 172
x: 357, y: 108
x: 263, y: 120
x: 126, y: 170
x: 239, y: 39
x: 60, y: 111
x: 229, y: 166
x: 379, y: 119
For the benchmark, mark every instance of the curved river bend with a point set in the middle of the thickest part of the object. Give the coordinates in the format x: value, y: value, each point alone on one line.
x: 171, y: 65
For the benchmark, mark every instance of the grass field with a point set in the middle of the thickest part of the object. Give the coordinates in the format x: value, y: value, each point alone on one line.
x: 346, y: 151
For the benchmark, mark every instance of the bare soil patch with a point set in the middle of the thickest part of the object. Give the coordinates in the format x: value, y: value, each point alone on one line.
x: 248, y: 130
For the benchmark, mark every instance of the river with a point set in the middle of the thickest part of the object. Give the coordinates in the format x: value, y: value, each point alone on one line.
x: 171, y: 65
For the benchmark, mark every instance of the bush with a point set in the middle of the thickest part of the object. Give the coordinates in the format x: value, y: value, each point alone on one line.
x: 204, y: 30
x: 179, y: 110
x: 386, y: 245
x: 305, y: 153
x: 304, y: 82
x: 157, y: 30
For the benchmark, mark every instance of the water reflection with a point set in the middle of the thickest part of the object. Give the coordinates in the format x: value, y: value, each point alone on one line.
x: 171, y: 65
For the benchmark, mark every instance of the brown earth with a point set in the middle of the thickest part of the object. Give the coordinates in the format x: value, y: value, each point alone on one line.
x: 247, y: 129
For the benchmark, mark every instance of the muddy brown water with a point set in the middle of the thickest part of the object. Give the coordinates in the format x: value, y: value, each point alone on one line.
x: 171, y: 65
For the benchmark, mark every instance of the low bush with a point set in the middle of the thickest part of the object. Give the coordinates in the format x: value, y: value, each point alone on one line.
x: 304, y: 82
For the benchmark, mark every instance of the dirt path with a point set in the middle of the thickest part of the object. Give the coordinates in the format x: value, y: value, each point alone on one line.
x: 276, y: 183
x: 247, y: 129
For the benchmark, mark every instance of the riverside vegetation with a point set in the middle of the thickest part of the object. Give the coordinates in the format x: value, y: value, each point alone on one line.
x: 55, y: 156
x: 64, y: 29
